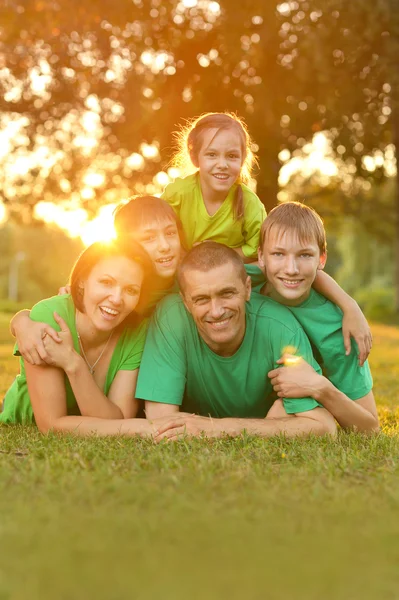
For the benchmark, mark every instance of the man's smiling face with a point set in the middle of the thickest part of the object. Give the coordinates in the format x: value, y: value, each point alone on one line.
x: 216, y: 300
x: 290, y: 266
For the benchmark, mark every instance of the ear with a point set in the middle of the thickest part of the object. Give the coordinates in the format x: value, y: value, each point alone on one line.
x: 184, y: 301
x: 81, y: 287
x: 248, y: 289
x: 322, y: 261
x: 260, y: 258
x: 194, y: 159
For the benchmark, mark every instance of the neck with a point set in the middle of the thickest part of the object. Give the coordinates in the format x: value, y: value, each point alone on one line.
x: 270, y: 291
x: 89, y: 335
x: 164, y: 283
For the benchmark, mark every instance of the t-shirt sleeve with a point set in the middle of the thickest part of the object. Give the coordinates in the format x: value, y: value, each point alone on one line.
x: 172, y: 194
x: 135, y: 346
x: 163, y: 369
x: 254, y: 216
x: 301, y: 343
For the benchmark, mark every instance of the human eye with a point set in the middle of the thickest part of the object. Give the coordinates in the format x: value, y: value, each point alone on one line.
x: 277, y: 254
x: 234, y: 156
x: 306, y: 255
x: 105, y: 281
x: 171, y: 232
x: 228, y: 294
x: 210, y: 154
x: 201, y: 300
x: 132, y: 290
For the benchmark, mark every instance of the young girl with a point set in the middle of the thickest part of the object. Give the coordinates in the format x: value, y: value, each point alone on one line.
x: 214, y: 203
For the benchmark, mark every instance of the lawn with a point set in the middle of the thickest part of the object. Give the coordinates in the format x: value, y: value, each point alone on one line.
x: 242, y: 518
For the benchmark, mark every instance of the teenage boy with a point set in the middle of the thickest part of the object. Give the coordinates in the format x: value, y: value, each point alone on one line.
x: 293, y: 248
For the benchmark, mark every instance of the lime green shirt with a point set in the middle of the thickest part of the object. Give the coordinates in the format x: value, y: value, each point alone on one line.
x: 185, y: 197
x: 179, y: 368
x: 126, y: 357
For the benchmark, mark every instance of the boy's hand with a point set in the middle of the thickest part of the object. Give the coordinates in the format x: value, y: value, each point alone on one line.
x: 30, y: 342
x: 66, y: 289
x: 354, y: 324
x: 295, y: 380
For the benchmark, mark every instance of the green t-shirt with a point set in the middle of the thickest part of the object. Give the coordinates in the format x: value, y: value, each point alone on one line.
x: 322, y: 322
x: 126, y: 357
x: 257, y: 276
x: 185, y: 197
x: 179, y: 368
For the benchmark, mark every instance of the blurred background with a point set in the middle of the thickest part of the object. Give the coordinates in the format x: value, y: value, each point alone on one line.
x: 92, y: 91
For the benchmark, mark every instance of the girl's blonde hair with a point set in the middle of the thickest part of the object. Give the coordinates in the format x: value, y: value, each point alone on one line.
x: 189, y: 141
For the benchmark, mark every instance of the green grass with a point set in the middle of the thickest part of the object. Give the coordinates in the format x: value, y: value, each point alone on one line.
x: 243, y: 518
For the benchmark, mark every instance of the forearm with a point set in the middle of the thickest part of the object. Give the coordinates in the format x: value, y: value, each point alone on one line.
x: 86, y: 426
x: 348, y: 413
x: 18, y: 320
x: 290, y: 427
x: 329, y: 288
x: 90, y: 399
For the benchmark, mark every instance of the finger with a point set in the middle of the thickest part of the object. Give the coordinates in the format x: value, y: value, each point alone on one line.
x: 362, y: 354
x: 171, y: 434
x: 347, y: 343
x: 35, y: 357
x: 273, y: 373
x: 49, y: 331
x: 41, y: 350
x: 172, y: 424
x: 280, y: 361
x: 61, y: 322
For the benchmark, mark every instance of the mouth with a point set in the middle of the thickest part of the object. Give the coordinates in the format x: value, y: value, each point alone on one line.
x: 221, y: 176
x: 221, y: 324
x: 109, y: 313
x: 291, y: 283
x: 165, y: 261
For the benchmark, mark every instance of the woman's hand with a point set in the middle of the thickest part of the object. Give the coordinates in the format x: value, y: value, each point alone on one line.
x: 354, y: 324
x: 60, y: 354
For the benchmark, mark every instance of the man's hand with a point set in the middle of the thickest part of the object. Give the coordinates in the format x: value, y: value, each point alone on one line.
x: 30, y: 341
x: 296, y: 380
x: 175, y: 427
x: 354, y: 324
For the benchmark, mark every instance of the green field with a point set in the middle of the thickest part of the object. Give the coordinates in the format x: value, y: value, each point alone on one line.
x: 243, y: 518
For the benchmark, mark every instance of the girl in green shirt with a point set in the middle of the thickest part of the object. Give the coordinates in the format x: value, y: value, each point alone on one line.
x: 214, y: 203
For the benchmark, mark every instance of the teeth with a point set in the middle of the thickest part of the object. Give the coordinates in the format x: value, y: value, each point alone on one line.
x: 291, y: 281
x: 165, y: 260
x: 219, y: 323
x: 109, y: 311
x: 221, y: 176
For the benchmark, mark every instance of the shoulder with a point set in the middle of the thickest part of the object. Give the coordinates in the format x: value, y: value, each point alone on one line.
x: 63, y: 305
x: 136, y: 335
x: 317, y: 301
x: 171, y: 312
x: 249, y: 196
x: 181, y: 185
x: 269, y: 314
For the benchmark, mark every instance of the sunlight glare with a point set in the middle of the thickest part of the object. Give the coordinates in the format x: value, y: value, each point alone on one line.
x: 101, y: 228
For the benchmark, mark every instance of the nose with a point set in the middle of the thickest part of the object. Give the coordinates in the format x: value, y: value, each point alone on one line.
x: 222, y: 162
x: 291, y: 265
x: 163, y: 243
x: 216, y: 309
x: 115, y: 295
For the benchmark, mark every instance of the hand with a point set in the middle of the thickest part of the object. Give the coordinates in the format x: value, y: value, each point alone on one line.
x: 354, y: 324
x: 60, y: 354
x: 30, y: 341
x: 182, y: 424
x: 298, y: 380
x: 66, y: 289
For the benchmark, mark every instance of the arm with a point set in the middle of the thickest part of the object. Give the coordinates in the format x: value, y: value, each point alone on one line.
x: 48, y: 398
x: 354, y: 323
x: 314, y: 422
x: 92, y: 402
x: 154, y: 410
x: 30, y: 336
x: 301, y: 379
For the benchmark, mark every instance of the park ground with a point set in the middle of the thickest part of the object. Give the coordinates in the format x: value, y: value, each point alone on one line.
x: 234, y: 518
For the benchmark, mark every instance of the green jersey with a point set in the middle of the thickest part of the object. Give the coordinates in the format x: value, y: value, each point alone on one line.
x: 126, y: 357
x: 179, y: 368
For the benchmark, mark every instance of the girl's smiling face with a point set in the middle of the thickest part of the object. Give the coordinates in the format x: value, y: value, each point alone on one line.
x: 220, y: 159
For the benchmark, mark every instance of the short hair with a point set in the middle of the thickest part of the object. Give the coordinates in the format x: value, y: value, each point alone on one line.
x: 207, y: 256
x: 139, y: 211
x: 295, y: 217
x: 99, y: 251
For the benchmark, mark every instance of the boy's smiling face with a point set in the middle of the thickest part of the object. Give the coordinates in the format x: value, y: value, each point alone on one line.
x: 290, y: 266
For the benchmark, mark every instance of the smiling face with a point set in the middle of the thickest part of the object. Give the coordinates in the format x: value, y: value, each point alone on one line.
x: 111, y: 291
x: 160, y: 238
x: 290, y: 266
x: 216, y: 300
x: 219, y: 160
